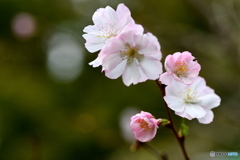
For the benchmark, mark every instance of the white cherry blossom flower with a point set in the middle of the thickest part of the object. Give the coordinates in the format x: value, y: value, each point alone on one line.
x: 192, y: 101
x: 107, y: 23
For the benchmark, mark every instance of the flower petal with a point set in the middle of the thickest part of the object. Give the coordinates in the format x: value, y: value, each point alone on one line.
x: 184, y: 114
x: 124, y: 17
x: 199, y: 84
x: 194, y: 69
x: 175, y: 89
x: 97, y: 62
x: 146, y: 136
x: 149, y: 46
x: 152, y: 68
x: 97, y: 16
x: 90, y: 29
x: 110, y: 15
x: 208, y: 118
x: 135, y: 126
x: 195, y: 111
x: 210, y: 101
x: 169, y: 63
x: 93, y: 42
x: 114, y: 65
x: 187, y: 80
x: 166, y: 78
x: 131, y: 74
x: 174, y: 103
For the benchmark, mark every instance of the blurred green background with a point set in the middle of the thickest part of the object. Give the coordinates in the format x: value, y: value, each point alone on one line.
x: 54, y: 106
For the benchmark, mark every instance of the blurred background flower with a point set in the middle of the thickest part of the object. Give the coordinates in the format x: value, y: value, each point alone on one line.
x: 23, y: 25
x: 54, y: 106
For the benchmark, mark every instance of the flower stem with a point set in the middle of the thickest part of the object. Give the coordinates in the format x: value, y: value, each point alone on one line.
x: 171, y: 126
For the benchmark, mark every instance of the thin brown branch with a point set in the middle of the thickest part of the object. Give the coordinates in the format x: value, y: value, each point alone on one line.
x: 171, y: 125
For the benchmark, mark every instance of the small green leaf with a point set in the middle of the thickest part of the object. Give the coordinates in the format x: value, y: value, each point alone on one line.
x: 183, y: 130
x: 164, y: 122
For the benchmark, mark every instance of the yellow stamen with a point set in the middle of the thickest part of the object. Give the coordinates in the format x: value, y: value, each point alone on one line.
x: 143, y: 124
x: 130, y: 54
x: 181, y: 69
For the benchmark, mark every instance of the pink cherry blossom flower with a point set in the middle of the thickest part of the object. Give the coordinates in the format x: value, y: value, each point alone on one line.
x: 180, y: 67
x: 192, y: 101
x: 134, y: 55
x: 144, y: 126
x: 107, y: 23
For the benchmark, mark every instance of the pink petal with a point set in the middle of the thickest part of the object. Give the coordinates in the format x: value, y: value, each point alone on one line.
x: 130, y: 33
x: 186, y: 57
x: 146, y: 114
x: 187, y: 80
x: 176, y: 78
x: 208, y: 118
x: 109, y: 15
x: 146, y: 136
x: 131, y: 30
x: 151, y: 68
x: 194, y: 69
x: 169, y: 63
x: 176, y: 56
x: 124, y: 17
x: 149, y: 46
x: 114, y: 65
x: 131, y: 74
x: 135, y: 127
x: 166, y: 78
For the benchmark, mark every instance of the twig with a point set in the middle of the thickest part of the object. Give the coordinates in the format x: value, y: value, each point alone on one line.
x: 171, y: 125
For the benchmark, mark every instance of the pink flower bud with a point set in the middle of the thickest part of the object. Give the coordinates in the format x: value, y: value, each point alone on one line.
x: 144, y: 126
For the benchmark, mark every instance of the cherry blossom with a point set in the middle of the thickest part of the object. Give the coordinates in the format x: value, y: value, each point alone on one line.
x: 192, y: 101
x: 132, y: 54
x: 181, y: 67
x: 144, y: 126
x: 138, y: 29
x: 107, y: 23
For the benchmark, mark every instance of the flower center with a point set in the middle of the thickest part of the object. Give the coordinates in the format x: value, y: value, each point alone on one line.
x: 190, y: 97
x: 143, y: 124
x: 181, y: 69
x: 130, y: 54
x: 107, y: 31
x: 107, y: 36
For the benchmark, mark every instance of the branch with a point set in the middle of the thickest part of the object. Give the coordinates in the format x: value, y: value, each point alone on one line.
x: 171, y: 125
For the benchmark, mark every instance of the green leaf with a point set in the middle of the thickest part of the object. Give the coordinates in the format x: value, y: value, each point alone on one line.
x: 183, y: 130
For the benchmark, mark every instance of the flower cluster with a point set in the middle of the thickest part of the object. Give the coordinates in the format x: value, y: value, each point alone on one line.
x: 125, y: 50
x: 186, y: 92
